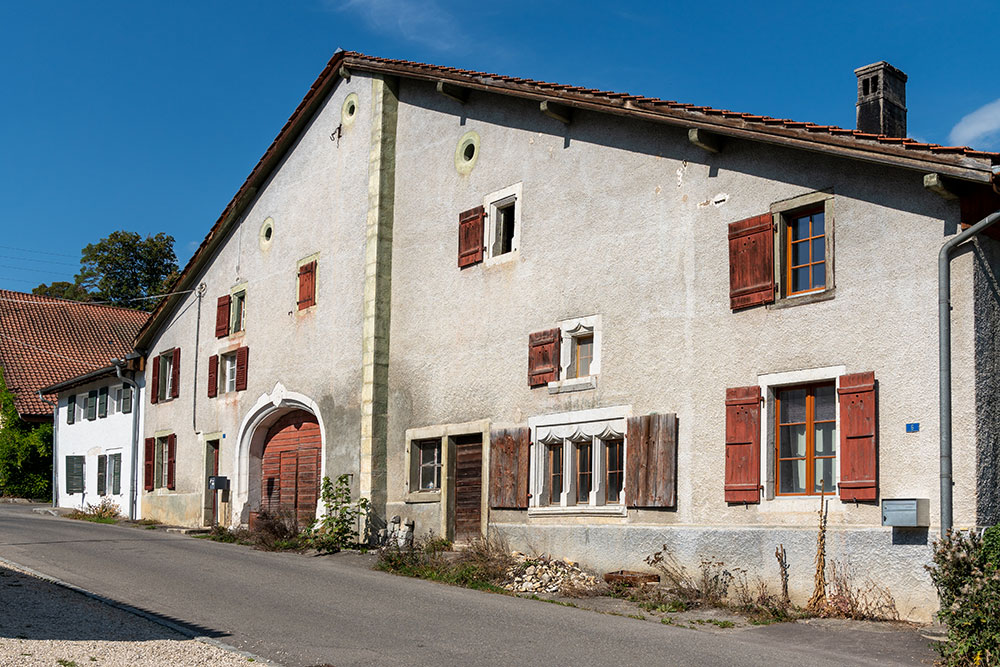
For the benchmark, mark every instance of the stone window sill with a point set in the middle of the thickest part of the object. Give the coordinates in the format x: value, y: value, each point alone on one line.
x: 579, y: 510
x: 424, y: 497
x: 814, y: 297
x: 573, y: 384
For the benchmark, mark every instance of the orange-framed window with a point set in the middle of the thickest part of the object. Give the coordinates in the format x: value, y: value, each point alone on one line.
x: 614, y: 469
x: 806, y: 437
x: 584, y: 471
x: 555, y: 472
x: 582, y: 356
x: 805, y: 251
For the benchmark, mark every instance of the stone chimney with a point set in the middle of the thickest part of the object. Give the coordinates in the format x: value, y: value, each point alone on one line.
x: 881, y: 99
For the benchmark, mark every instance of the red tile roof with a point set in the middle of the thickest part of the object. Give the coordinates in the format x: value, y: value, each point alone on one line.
x: 956, y: 161
x: 44, y: 340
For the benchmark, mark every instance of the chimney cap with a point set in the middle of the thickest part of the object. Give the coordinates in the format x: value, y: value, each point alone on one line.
x: 881, y: 65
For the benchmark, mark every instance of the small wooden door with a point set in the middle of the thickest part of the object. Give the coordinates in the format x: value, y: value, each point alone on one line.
x: 212, y: 470
x: 468, y: 487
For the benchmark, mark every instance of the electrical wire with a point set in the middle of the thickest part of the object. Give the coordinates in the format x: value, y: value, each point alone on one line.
x: 63, y: 302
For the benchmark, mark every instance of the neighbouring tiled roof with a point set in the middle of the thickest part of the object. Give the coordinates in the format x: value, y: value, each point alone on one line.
x: 907, y: 153
x: 44, y: 340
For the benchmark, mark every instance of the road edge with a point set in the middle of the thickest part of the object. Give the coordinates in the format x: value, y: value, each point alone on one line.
x: 211, y: 641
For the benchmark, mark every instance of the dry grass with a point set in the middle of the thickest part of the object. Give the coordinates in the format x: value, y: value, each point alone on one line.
x: 868, y: 601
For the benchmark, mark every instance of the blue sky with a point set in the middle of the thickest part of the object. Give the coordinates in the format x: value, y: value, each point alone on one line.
x: 147, y: 116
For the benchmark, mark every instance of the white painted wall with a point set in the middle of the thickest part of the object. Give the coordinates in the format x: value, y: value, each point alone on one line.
x: 93, y: 438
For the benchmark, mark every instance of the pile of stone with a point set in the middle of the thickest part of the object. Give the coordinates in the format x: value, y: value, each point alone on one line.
x: 542, y: 574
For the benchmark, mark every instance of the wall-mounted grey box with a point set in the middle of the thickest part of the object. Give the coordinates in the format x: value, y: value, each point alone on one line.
x: 906, y: 512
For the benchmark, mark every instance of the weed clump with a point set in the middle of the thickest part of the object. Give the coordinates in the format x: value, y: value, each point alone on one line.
x: 106, y: 511
x: 481, y: 566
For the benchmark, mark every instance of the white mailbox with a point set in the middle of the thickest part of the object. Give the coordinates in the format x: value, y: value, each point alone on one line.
x: 906, y: 512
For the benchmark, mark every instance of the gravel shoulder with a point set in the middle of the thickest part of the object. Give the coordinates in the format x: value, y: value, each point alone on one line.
x: 44, y: 624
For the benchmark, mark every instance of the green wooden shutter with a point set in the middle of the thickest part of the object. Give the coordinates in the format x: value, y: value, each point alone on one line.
x: 74, y: 474
x: 102, y: 402
x: 71, y: 409
x: 92, y: 405
x: 102, y: 476
x: 116, y: 474
x: 126, y: 399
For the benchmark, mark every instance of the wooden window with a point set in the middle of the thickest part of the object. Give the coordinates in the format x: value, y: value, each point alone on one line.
x: 102, y: 475
x: 614, y: 469
x: 582, y: 354
x: 510, y: 453
x: 92, y: 405
x: 805, y: 251
x: 751, y: 262
x: 222, y: 316
x: 165, y: 461
x: 71, y: 409
x: 470, y: 236
x: 543, y: 357
x: 555, y: 472
x: 307, y: 285
x: 237, y: 311
x: 805, y: 440
x: 651, y: 461
x: 584, y: 471
x: 429, y: 469
x: 213, y: 376
x: 75, y: 474
x: 115, y: 472
x: 102, y: 402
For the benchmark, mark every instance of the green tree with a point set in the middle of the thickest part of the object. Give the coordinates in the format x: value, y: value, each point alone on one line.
x: 25, y: 452
x: 63, y: 290
x: 124, y: 267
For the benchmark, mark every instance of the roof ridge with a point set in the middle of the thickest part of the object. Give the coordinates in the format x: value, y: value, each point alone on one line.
x: 59, y: 301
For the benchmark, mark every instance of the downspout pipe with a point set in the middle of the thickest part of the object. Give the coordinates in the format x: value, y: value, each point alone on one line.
x: 134, y: 475
x: 944, y: 357
x: 55, y: 438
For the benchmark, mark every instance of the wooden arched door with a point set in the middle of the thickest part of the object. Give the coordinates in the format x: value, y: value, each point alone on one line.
x: 290, y: 467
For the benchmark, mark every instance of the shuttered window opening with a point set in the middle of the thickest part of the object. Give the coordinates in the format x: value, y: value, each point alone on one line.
x: 543, y: 357
x: 651, y: 461
x: 161, y: 462
x: 102, y: 402
x: 102, y: 475
x: 71, y: 409
x: 165, y: 381
x: 228, y: 372
x: 742, y: 481
x: 115, y: 473
x: 805, y: 439
x: 75, y: 474
x: 751, y: 262
x: 92, y: 405
x: 470, y: 236
x: 307, y: 285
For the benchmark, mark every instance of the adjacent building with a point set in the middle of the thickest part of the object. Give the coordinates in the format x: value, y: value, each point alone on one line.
x: 594, y: 322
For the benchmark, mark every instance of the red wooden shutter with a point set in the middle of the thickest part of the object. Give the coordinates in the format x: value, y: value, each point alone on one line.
x: 470, y: 236
x: 651, y: 461
x: 148, y: 462
x: 509, y: 455
x: 543, y: 357
x: 242, y: 356
x: 154, y: 389
x: 751, y: 262
x: 858, y: 437
x: 222, y: 317
x: 171, y: 460
x: 213, y: 376
x: 175, y: 382
x: 307, y: 285
x: 743, y: 445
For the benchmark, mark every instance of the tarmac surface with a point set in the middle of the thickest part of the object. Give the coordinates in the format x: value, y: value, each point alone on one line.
x: 334, y: 610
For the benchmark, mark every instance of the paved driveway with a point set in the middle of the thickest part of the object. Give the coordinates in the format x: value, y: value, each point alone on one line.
x: 300, y: 610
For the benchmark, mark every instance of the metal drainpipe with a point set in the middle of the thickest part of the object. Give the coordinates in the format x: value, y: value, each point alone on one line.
x: 55, y: 429
x: 133, y: 495
x: 944, y: 356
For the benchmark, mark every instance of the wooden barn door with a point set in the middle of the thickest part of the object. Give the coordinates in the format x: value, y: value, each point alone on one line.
x: 468, y: 487
x: 290, y: 467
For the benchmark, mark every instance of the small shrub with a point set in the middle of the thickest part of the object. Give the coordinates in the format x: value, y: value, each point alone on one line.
x: 337, y: 528
x: 437, y: 545
x: 276, y: 531
x: 755, y: 600
x: 869, y: 601
x: 709, y: 587
x: 967, y: 577
x: 106, y: 511
x: 482, y: 566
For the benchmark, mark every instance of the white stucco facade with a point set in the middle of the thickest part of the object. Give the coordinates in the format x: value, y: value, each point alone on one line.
x: 109, y: 436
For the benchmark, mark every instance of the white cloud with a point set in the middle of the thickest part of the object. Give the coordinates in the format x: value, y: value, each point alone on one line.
x: 424, y: 22
x: 981, y: 128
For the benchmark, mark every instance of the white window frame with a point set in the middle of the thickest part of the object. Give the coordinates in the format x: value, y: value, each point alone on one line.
x: 166, y: 375
x: 227, y: 362
x: 114, y: 399
x: 492, y: 203
x: 569, y: 330
x: 598, y: 426
x: 770, y: 383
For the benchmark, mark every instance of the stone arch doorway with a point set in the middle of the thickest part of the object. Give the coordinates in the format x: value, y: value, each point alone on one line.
x: 290, y: 466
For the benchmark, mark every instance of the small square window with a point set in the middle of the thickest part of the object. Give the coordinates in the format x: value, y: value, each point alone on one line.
x: 429, y: 464
x: 237, y: 311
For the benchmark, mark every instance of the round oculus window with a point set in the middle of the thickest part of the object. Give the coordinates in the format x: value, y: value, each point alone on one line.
x: 266, y: 233
x: 349, y: 111
x: 467, y: 152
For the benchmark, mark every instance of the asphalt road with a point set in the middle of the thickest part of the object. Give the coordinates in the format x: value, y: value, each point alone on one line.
x: 306, y: 611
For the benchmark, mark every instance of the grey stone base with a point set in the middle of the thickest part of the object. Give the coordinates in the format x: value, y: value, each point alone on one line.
x: 892, y: 559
